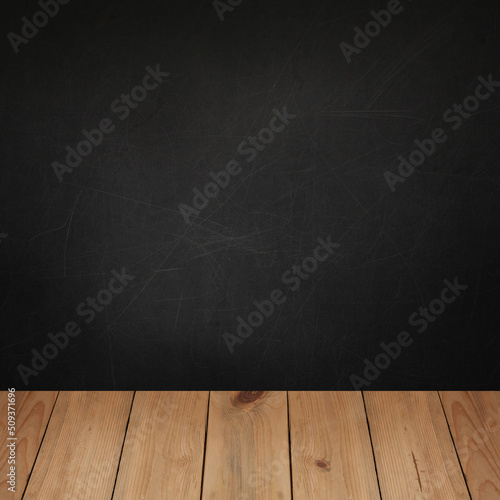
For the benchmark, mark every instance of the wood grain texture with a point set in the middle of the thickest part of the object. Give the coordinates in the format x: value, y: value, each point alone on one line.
x: 474, y: 420
x: 331, y: 449
x: 32, y: 414
x: 247, y: 454
x: 164, y: 448
x: 79, y: 456
x: 413, y: 448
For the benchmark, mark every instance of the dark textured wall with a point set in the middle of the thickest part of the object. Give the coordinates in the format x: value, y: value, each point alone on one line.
x: 322, y: 176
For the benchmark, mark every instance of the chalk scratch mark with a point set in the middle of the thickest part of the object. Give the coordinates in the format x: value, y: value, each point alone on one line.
x: 69, y: 226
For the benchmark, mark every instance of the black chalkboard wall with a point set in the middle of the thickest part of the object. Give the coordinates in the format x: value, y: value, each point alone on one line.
x: 245, y: 194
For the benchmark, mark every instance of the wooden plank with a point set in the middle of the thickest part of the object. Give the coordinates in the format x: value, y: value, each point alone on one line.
x: 474, y: 420
x: 247, y: 454
x: 331, y: 450
x: 79, y: 456
x: 32, y: 410
x: 163, y: 453
x: 413, y: 448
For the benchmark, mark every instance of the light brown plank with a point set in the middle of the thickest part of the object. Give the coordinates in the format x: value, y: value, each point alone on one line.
x: 247, y: 455
x: 32, y: 410
x: 413, y: 448
x: 79, y: 456
x: 163, y: 453
x: 474, y: 419
x: 332, y: 456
